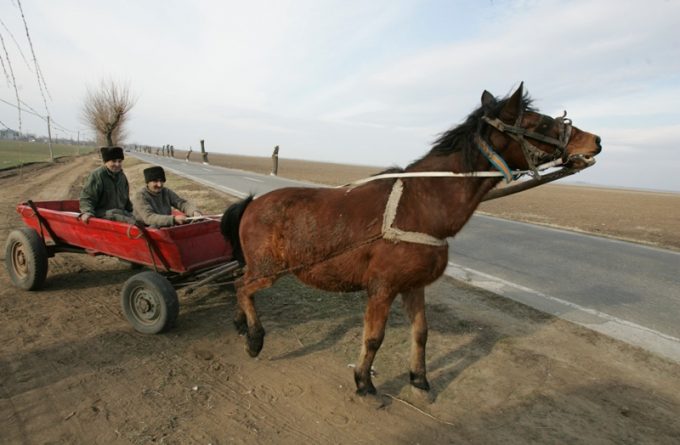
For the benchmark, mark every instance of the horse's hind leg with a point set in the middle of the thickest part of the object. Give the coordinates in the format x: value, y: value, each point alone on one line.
x: 375, y: 319
x: 246, y: 319
x: 414, y: 304
x: 240, y: 322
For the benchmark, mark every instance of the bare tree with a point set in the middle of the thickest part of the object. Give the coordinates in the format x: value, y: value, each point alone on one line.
x: 106, y: 111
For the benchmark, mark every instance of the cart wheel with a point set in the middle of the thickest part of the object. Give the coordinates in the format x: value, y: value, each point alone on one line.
x: 149, y: 303
x: 26, y: 258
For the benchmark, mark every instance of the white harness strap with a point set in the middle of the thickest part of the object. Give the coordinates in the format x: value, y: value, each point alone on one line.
x: 396, y: 235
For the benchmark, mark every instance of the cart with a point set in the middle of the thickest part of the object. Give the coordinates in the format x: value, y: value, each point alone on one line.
x: 181, y: 257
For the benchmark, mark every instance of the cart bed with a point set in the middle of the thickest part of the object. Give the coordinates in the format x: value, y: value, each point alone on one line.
x: 179, y: 249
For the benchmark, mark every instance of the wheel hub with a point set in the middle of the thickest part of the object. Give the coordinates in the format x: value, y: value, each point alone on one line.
x: 19, y: 261
x: 145, y: 306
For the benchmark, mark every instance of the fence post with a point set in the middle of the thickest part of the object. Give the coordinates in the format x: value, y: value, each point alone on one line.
x: 203, y: 152
x: 275, y: 161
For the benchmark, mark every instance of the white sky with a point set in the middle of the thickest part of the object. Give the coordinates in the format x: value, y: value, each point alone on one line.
x: 362, y: 82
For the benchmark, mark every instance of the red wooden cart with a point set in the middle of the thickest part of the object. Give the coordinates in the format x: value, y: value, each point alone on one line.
x: 186, y: 256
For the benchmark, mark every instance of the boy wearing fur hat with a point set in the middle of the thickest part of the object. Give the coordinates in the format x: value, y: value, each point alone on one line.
x: 153, y: 203
x: 106, y: 193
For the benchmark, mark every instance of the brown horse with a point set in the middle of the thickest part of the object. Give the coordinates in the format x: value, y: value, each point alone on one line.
x: 388, y: 236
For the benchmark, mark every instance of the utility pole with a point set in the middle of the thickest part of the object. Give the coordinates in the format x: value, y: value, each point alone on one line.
x: 49, y: 138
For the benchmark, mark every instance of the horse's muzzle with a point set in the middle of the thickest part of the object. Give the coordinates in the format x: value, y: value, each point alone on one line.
x: 580, y: 161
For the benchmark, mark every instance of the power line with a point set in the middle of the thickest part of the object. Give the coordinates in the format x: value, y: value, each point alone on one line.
x: 31, y: 111
x: 28, y: 109
x: 14, y: 82
x: 38, y: 72
x: 17, y: 45
x: 4, y: 70
x: 42, y: 84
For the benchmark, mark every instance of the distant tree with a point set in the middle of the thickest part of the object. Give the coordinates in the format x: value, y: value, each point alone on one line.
x: 106, y: 111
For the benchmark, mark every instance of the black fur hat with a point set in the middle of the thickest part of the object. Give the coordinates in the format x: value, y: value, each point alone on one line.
x: 111, y: 153
x: 154, y: 173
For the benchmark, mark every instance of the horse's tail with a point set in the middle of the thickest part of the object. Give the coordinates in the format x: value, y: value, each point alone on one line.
x: 231, y: 221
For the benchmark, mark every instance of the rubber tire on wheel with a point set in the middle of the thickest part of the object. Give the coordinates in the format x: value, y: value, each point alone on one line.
x: 26, y: 259
x: 149, y: 303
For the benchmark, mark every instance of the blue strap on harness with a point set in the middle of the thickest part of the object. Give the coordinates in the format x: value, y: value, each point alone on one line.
x: 495, y: 159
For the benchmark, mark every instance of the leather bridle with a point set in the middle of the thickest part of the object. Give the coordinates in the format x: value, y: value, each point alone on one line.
x: 534, y: 155
x: 538, y: 160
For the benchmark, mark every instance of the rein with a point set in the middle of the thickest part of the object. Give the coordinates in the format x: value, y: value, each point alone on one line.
x: 532, y: 154
x: 516, y: 174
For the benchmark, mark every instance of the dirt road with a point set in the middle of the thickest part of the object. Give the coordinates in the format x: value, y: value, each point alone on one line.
x: 73, y: 371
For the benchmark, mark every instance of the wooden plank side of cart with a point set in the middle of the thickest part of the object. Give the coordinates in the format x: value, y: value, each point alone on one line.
x: 179, y: 249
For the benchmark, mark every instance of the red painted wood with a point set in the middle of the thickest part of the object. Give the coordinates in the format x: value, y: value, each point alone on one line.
x: 184, y: 248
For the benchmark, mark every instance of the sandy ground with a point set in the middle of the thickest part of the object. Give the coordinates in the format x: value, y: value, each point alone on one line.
x: 73, y: 371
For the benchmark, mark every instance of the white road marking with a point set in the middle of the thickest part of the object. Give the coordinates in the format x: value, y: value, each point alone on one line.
x: 627, y: 331
x: 252, y: 179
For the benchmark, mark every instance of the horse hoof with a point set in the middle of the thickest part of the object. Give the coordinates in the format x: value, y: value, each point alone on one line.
x: 241, y: 327
x: 254, y: 345
x: 252, y: 353
x: 419, y: 381
x: 366, y: 392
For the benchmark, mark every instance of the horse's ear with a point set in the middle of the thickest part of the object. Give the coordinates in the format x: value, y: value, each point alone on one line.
x: 513, y: 106
x: 487, y: 99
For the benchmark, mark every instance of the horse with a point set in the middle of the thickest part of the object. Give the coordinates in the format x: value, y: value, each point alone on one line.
x: 387, y: 236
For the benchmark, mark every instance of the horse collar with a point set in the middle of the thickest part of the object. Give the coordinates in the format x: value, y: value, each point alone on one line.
x: 397, y: 235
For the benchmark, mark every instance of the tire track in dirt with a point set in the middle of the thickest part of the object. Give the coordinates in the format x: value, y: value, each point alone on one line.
x: 40, y: 374
x: 62, y: 180
x: 49, y: 184
x: 253, y: 407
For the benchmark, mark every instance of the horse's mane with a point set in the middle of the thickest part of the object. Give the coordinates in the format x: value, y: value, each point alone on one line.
x: 462, y: 137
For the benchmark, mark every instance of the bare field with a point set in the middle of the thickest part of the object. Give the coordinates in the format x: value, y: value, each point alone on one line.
x: 73, y: 371
x: 645, y: 217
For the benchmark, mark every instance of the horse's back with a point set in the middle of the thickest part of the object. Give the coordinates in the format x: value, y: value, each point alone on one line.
x: 298, y: 225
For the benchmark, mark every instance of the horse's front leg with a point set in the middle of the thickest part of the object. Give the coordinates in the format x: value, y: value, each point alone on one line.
x: 375, y: 319
x: 414, y: 304
x: 246, y: 319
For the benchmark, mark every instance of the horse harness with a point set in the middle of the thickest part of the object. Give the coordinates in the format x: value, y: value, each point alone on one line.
x: 395, y: 235
x: 533, y: 155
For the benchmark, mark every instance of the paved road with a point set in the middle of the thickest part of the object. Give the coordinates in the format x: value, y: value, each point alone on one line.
x: 625, y: 290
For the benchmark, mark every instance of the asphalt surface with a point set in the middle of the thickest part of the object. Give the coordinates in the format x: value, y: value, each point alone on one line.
x: 624, y: 290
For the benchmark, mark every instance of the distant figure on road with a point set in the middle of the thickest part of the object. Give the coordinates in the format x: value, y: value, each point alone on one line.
x: 188, y: 155
x: 275, y: 161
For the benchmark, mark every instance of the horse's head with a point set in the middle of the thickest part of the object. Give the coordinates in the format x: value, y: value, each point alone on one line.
x: 526, y: 138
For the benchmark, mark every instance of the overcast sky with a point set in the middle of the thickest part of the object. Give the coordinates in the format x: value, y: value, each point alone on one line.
x: 362, y: 82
